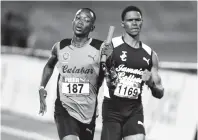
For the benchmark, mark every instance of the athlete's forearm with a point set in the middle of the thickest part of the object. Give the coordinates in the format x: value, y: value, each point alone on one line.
x: 101, y: 76
x: 47, y: 73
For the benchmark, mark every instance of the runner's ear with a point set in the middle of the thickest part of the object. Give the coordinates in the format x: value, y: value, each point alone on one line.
x: 122, y: 24
x: 92, y: 28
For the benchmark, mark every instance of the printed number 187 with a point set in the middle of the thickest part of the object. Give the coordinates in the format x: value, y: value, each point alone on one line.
x: 75, y: 88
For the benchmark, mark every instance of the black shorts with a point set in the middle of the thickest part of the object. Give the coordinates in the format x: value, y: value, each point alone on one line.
x: 121, y: 119
x: 67, y: 125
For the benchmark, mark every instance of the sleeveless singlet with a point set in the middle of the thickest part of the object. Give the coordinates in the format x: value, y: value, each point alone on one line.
x: 129, y: 63
x: 78, y: 81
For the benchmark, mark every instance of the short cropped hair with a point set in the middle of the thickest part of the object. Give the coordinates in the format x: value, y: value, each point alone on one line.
x: 128, y: 9
x: 94, y: 15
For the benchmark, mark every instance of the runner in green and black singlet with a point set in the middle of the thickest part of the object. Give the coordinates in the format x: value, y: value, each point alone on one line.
x: 79, y: 80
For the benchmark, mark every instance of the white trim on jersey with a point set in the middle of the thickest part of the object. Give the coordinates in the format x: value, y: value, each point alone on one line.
x: 147, y: 48
x: 117, y: 41
x: 90, y: 40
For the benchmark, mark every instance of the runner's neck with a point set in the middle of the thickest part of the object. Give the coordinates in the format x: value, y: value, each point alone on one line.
x: 79, y: 41
x: 132, y: 42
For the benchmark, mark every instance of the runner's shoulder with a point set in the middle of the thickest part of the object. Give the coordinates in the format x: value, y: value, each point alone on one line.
x: 54, y: 48
x: 96, y: 43
x: 147, y: 48
x: 65, y: 42
x: 61, y: 44
x: 117, y: 41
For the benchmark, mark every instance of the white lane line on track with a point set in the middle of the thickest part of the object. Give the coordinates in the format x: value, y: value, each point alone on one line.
x: 23, y: 133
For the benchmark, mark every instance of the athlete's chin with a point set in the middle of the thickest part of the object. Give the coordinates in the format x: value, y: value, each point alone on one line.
x: 79, y: 34
x: 134, y: 34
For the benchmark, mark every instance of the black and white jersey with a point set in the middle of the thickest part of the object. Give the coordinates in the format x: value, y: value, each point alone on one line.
x: 129, y: 64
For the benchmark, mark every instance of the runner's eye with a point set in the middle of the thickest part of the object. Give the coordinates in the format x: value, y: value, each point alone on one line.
x: 136, y: 19
x: 77, y: 17
x: 87, y: 20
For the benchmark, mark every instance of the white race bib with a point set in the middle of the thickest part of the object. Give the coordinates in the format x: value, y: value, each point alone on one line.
x: 127, y: 91
x: 75, y: 89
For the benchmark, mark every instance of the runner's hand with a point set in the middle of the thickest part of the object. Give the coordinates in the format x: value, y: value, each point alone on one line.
x: 107, y: 49
x: 43, y: 106
x: 147, y: 77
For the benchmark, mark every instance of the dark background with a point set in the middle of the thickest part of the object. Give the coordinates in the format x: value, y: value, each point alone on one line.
x: 170, y: 28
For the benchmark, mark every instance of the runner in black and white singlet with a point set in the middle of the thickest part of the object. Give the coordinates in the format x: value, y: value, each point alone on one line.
x: 131, y: 65
x: 79, y: 80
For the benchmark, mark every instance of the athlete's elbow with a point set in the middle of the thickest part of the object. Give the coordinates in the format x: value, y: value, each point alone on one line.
x: 48, y: 70
x: 158, y: 94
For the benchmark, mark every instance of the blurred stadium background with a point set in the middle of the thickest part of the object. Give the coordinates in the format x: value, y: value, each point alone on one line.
x: 29, y: 30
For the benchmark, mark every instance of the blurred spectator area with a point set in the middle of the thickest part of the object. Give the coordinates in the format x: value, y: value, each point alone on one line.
x: 14, y: 30
x: 170, y: 27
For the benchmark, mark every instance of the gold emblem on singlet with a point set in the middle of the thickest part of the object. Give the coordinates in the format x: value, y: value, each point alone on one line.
x: 66, y: 56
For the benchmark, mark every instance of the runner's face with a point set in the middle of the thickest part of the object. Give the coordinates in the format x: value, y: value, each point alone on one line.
x: 83, y: 23
x: 132, y: 23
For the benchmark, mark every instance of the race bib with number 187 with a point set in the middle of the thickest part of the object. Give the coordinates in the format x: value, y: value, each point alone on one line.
x: 75, y: 89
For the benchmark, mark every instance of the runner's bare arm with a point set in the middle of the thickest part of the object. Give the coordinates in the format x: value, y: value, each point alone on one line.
x: 107, y: 50
x: 101, y: 71
x: 156, y: 87
x: 49, y: 67
x: 101, y: 77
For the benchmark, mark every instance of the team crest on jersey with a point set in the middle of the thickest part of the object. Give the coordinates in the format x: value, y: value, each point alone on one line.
x: 66, y: 56
x: 123, y: 56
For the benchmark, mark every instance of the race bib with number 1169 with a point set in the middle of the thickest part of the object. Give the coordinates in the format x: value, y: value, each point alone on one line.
x: 126, y: 91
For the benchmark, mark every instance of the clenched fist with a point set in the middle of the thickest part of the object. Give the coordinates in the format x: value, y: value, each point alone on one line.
x: 147, y: 77
x: 107, y: 49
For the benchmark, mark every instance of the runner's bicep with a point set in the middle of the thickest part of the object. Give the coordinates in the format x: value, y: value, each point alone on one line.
x: 53, y: 57
x: 154, y: 70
